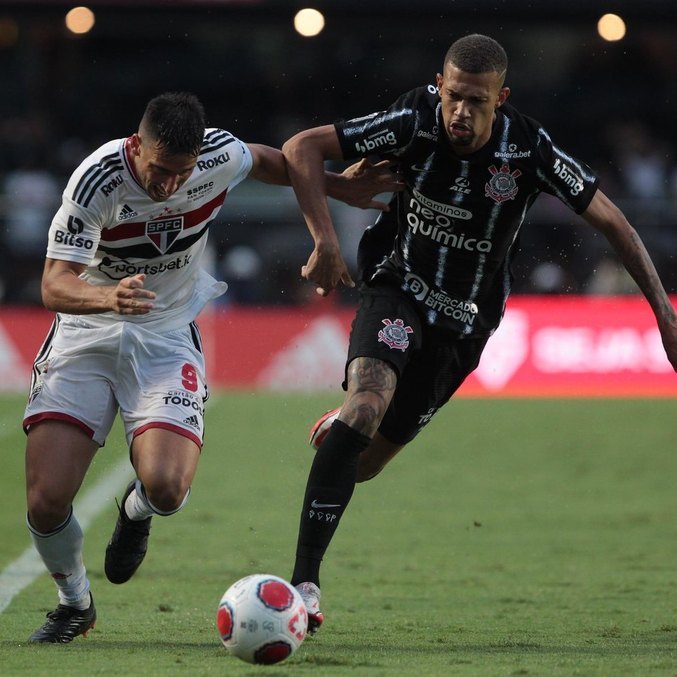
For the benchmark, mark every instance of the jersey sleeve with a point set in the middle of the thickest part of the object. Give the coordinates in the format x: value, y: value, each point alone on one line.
x: 240, y: 158
x: 75, y: 230
x: 386, y: 133
x: 246, y: 163
x: 564, y: 176
x: 224, y: 156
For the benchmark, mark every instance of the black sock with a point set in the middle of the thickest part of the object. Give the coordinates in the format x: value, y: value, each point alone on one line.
x: 331, y: 483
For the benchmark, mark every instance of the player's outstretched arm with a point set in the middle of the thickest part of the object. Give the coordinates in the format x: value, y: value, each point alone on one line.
x: 606, y: 217
x: 357, y: 185
x: 362, y: 181
x: 64, y: 292
x: 268, y: 165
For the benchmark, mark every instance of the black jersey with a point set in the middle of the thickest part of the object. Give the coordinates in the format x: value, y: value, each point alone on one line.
x: 450, y: 236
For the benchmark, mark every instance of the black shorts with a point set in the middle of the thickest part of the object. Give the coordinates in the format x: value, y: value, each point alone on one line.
x: 430, y: 364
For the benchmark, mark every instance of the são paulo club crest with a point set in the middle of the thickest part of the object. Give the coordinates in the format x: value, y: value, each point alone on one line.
x: 163, y: 232
x: 502, y: 185
x: 395, y: 334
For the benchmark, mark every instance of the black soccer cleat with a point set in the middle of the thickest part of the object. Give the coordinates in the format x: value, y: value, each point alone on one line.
x: 128, y: 544
x: 65, y: 623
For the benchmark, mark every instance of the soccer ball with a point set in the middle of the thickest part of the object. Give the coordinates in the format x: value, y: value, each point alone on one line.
x: 262, y: 619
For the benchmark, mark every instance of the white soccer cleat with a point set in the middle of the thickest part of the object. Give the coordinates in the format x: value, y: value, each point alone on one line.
x: 319, y: 431
x: 310, y: 594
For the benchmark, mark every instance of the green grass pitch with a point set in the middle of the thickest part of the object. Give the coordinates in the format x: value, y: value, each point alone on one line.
x: 513, y: 537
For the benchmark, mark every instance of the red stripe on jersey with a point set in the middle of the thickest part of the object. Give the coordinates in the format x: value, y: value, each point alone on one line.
x: 197, y: 217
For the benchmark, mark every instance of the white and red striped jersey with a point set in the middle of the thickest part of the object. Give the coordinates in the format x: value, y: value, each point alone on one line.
x: 108, y: 222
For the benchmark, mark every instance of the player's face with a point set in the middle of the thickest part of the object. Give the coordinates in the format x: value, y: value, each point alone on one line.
x: 161, y: 174
x: 469, y: 103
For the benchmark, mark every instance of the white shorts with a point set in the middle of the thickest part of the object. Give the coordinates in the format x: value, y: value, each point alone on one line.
x: 85, y: 375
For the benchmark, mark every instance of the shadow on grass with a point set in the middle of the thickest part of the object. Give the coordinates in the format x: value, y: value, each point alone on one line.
x: 101, y: 643
x: 660, y: 643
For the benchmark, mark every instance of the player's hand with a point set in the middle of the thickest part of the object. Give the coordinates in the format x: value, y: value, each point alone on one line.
x: 366, y: 180
x: 326, y: 268
x: 130, y: 298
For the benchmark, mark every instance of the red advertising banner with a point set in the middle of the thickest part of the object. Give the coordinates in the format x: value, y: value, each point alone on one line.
x: 546, y: 346
x: 563, y: 346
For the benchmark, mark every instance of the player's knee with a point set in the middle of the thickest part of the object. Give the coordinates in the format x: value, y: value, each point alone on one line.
x: 363, y: 412
x: 46, y: 509
x: 167, y: 497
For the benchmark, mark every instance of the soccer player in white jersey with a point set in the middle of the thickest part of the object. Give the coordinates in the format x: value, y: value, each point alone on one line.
x: 123, y: 275
x: 435, y: 269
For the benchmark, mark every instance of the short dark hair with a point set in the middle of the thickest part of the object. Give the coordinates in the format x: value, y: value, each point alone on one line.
x: 477, y: 54
x: 176, y: 121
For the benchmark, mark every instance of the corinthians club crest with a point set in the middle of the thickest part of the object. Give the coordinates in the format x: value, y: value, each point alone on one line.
x: 395, y: 334
x: 502, y: 185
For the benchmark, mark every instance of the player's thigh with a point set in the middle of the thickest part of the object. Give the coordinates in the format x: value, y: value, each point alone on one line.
x: 386, y: 327
x: 432, y: 376
x: 58, y: 455
x: 71, y: 380
x: 165, y: 461
x: 162, y: 384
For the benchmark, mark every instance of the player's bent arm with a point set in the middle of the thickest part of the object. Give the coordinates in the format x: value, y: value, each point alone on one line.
x: 356, y: 186
x: 305, y: 154
x: 63, y: 291
x: 359, y: 183
x: 606, y: 217
x: 268, y: 165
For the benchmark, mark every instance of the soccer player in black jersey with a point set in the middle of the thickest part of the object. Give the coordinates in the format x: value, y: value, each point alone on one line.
x: 434, y: 270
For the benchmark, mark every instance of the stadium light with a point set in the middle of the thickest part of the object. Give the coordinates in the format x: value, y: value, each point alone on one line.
x: 80, y: 20
x: 611, y: 27
x: 308, y: 22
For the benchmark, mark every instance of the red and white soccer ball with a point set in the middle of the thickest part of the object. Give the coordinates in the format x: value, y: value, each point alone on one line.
x: 262, y: 619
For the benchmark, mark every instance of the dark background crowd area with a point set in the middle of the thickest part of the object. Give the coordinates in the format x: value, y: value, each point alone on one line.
x: 612, y: 104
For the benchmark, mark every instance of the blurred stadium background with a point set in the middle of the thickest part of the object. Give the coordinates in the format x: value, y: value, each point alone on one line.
x: 606, y: 90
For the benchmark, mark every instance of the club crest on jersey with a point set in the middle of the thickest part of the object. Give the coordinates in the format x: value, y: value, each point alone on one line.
x: 163, y: 232
x: 502, y: 185
x: 395, y: 334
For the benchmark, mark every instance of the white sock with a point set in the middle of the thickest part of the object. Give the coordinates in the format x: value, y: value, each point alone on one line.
x: 61, y: 552
x: 138, y: 507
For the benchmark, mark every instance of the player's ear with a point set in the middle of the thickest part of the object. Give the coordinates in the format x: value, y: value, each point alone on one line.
x: 503, y: 94
x: 438, y: 81
x: 135, y: 143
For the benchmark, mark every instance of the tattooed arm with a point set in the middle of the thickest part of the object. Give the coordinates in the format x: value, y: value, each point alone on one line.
x: 606, y: 217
